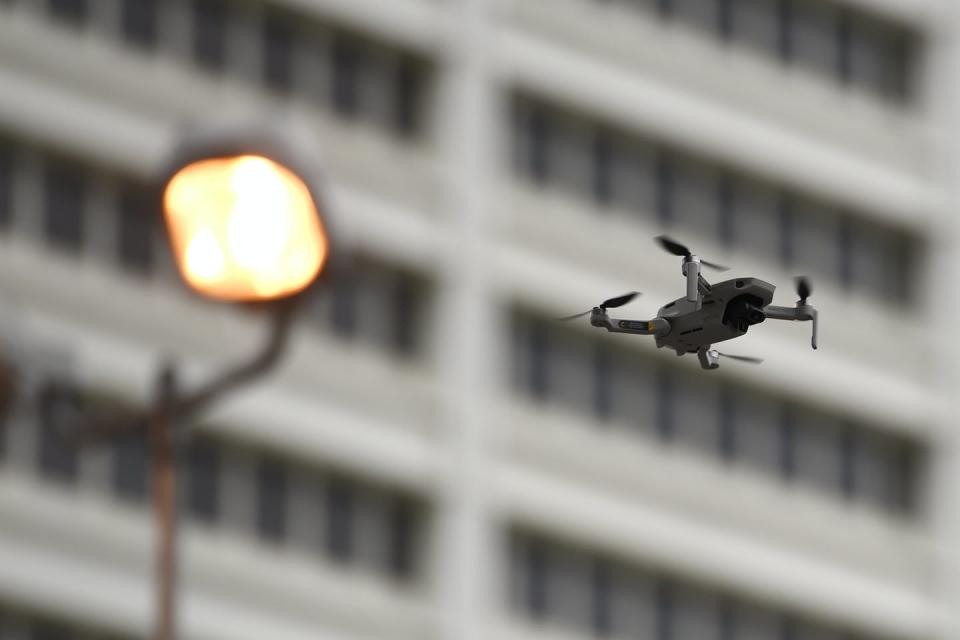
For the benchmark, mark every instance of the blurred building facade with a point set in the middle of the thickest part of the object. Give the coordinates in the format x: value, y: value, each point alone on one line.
x: 437, y: 458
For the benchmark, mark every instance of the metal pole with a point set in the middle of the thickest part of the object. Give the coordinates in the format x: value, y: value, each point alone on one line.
x: 164, y: 507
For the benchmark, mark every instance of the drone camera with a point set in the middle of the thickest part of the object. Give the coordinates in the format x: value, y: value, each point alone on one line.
x: 743, y: 312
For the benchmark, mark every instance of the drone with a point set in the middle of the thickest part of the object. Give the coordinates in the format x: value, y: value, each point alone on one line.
x: 708, y: 313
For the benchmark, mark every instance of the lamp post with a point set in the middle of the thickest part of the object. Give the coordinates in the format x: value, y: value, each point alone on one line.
x: 246, y: 225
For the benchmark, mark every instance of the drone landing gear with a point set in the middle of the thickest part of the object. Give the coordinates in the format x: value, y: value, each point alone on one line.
x: 710, y: 358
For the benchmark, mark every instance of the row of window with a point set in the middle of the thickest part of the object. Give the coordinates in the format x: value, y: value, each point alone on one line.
x: 560, y: 586
x: 670, y: 188
x: 87, y: 211
x: 15, y: 625
x: 713, y: 416
x: 279, y: 501
x: 283, y: 50
x: 824, y: 36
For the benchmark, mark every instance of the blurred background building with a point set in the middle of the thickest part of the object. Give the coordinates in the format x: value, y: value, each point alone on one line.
x: 437, y: 458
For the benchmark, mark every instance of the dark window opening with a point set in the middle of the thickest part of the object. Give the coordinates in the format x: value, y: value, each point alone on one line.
x: 347, y: 63
x: 131, y: 468
x: 344, y: 305
x: 844, y: 63
x: 73, y: 12
x: 538, y: 153
x: 602, y: 168
x: 137, y: 226
x: 59, y: 411
x: 279, y: 46
x: 64, y: 205
x: 785, y: 22
x: 601, y: 610
x: 785, y: 213
x: 6, y: 186
x: 339, y: 520
x: 728, y: 426
x: 202, y: 486
x: 538, y: 371
x: 602, y: 383
x: 664, y: 187
x: 664, y: 606
x: 788, y: 443
x: 139, y: 22
x: 848, y: 462
x: 402, y: 529
x: 271, y: 501
x: 665, y: 400
x: 404, y: 326
x: 408, y: 90
x: 210, y: 33
x: 536, y: 585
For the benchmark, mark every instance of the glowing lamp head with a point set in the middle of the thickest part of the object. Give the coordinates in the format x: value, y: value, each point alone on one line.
x: 244, y: 228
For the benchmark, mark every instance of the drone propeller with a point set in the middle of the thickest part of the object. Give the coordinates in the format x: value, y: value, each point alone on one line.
x: 677, y: 249
x: 611, y: 303
x: 803, y: 289
x: 749, y: 359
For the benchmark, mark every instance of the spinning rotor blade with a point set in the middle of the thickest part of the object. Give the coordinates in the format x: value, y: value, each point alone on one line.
x: 677, y: 249
x: 619, y: 301
x: 749, y: 359
x: 672, y: 246
x: 612, y: 303
x: 573, y: 317
x: 714, y: 266
x: 803, y: 288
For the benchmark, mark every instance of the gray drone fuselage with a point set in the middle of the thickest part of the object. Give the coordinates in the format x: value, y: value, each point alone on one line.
x: 720, y: 313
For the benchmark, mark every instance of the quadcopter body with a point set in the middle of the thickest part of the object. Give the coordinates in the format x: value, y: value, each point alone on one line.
x: 708, y: 313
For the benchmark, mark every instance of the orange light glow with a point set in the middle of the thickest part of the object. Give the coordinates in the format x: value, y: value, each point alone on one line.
x: 244, y: 228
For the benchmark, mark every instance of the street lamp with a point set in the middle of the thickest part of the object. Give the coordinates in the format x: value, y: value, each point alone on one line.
x: 246, y: 224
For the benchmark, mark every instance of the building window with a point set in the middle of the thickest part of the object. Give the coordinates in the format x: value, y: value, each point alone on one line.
x: 64, y: 205
x: 210, y: 34
x: 405, y: 326
x: 539, y: 144
x: 203, y: 484
x: 402, y: 537
x: 603, y: 375
x: 279, y: 46
x: 603, y: 160
x: 535, y: 583
x: 664, y: 604
x: 665, y: 401
x: 408, y: 91
x: 844, y: 27
x: 785, y: 214
x: 338, y: 511
x: 788, y: 443
x: 601, y: 608
x: 271, y: 501
x: 6, y: 185
x: 784, y: 30
x: 130, y: 468
x: 538, y: 370
x: 73, y: 12
x: 664, y: 197
x: 59, y: 410
x: 50, y: 631
x: 138, y: 22
x: 137, y: 225
x: 346, y: 59
x: 344, y: 305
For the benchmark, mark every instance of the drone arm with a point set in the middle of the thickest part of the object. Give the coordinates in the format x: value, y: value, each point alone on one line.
x: 691, y: 269
x: 655, y: 327
x: 801, y: 312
